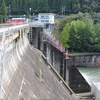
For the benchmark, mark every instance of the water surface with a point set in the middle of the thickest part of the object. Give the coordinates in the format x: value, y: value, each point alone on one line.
x: 90, y: 74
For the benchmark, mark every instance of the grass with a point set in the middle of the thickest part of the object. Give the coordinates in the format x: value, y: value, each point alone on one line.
x: 37, y: 61
x: 36, y: 73
x: 56, y: 32
x: 77, y: 53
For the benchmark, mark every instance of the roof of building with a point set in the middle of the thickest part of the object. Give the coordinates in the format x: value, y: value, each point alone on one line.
x: 46, y: 14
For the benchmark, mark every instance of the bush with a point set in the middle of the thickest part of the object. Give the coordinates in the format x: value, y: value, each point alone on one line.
x: 3, y: 19
x: 82, y: 36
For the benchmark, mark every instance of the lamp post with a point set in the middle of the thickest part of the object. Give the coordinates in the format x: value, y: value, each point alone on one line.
x: 30, y: 13
x: 9, y: 10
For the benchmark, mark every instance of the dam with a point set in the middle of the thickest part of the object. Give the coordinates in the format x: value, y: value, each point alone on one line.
x: 27, y: 73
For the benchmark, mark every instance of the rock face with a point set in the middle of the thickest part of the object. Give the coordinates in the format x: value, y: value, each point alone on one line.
x: 26, y: 77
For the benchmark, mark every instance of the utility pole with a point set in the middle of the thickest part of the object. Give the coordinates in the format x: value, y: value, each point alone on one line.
x: 30, y: 13
x: 9, y: 10
x: 63, y: 10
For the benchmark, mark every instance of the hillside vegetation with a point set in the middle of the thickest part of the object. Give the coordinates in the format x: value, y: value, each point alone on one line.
x: 54, y: 6
x: 60, y: 7
x: 79, y: 32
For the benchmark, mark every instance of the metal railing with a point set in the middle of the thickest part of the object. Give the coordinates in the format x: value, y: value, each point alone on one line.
x: 12, y: 24
x: 52, y: 42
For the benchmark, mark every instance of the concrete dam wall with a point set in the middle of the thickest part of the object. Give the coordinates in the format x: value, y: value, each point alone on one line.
x: 26, y: 77
x: 86, y: 60
x: 26, y: 74
x: 65, y: 67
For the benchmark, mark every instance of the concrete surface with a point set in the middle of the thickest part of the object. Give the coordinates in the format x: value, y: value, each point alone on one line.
x: 96, y: 90
x: 26, y: 77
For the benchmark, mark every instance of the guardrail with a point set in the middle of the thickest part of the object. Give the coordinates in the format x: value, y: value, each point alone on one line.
x: 53, y: 42
x: 11, y: 24
x: 11, y: 31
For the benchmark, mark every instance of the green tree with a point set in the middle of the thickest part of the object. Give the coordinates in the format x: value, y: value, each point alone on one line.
x: 78, y: 35
x: 3, y: 12
x: 95, y: 43
x: 14, y: 7
x: 65, y: 35
x: 54, y: 6
x: 3, y: 8
x: 75, y: 42
x: 25, y: 6
x: 45, y: 6
x: 37, y: 6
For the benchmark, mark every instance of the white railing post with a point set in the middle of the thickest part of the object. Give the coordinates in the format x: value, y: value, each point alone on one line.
x: 2, y: 61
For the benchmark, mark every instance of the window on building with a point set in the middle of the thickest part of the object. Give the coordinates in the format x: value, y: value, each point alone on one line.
x: 42, y: 20
x: 50, y: 16
x: 46, y: 16
x: 46, y: 20
x: 42, y: 16
x: 51, y: 20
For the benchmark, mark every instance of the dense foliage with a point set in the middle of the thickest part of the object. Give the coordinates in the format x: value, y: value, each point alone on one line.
x: 61, y: 22
x: 83, y: 36
x: 3, y: 11
x: 21, y: 7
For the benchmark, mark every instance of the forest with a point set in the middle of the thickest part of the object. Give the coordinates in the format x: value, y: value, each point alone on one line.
x: 21, y: 7
x: 60, y: 7
x: 65, y: 7
x: 79, y: 32
x: 81, y: 36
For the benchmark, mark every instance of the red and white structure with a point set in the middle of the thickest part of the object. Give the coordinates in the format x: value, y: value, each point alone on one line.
x: 17, y: 20
x: 66, y: 55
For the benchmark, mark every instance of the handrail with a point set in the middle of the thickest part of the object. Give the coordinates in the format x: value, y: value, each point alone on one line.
x: 13, y: 28
x: 52, y: 42
x: 71, y: 91
x: 11, y: 24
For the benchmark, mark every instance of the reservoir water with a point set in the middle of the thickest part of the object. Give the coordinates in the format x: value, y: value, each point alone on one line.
x: 90, y: 74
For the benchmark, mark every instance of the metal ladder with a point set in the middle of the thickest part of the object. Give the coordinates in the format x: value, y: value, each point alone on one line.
x: 30, y: 34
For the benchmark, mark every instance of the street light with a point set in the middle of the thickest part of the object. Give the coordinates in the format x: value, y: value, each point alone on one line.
x: 30, y: 13
x: 9, y: 10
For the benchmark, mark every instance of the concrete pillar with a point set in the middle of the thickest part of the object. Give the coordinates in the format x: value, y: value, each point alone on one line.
x: 62, y: 65
x: 57, y: 61
x: 37, y: 32
x: 41, y: 41
x: 35, y: 37
x: 69, y: 62
x: 51, y: 55
x: 67, y: 70
x: 48, y: 53
x: 53, y: 59
x: 96, y: 90
x: 45, y: 49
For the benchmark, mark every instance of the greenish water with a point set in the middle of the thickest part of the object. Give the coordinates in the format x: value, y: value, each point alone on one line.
x: 90, y: 74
